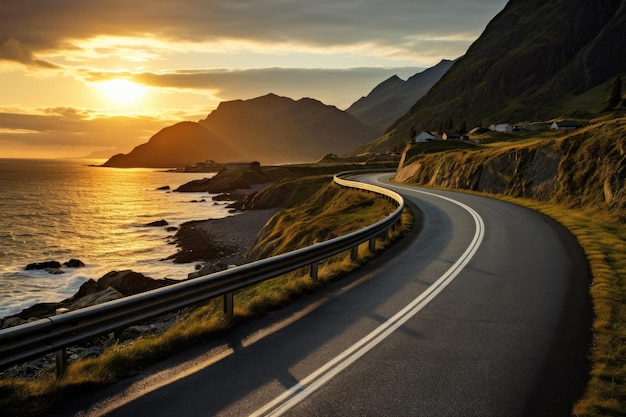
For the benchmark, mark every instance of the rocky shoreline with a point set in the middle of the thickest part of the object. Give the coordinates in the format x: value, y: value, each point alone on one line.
x: 212, y: 244
x: 225, y: 240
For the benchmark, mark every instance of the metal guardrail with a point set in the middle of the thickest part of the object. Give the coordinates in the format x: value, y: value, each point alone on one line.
x: 31, y: 340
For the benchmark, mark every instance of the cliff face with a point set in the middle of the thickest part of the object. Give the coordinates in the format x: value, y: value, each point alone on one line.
x: 584, y: 169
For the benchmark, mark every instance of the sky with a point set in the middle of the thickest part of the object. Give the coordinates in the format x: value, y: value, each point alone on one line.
x: 83, y: 76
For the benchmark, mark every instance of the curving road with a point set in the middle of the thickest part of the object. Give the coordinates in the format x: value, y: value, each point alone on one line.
x: 485, y: 312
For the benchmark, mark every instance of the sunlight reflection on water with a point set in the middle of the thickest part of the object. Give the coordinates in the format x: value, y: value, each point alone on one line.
x: 59, y: 210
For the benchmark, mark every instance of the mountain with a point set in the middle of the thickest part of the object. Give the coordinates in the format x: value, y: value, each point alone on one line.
x: 182, y: 144
x: 392, y: 98
x: 535, y: 60
x: 268, y: 129
x: 275, y: 129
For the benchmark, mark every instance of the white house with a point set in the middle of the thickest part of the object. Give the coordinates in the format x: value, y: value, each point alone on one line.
x: 504, y: 127
x: 565, y: 125
x: 424, y: 136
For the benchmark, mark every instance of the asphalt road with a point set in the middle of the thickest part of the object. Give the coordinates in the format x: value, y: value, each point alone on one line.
x: 484, y: 312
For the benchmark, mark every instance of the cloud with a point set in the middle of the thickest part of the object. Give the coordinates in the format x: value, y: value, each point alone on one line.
x: 374, y: 26
x: 70, y: 127
x: 340, y: 87
x: 14, y: 50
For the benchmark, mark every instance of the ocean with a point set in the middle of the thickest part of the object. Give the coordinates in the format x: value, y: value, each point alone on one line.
x: 65, y: 209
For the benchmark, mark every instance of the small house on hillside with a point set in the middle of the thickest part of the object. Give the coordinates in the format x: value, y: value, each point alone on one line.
x: 452, y: 136
x: 503, y: 127
x: 424, y: 136
x: 565, y: 125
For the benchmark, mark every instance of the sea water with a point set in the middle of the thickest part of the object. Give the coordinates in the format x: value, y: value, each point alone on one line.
x: 66, y: 209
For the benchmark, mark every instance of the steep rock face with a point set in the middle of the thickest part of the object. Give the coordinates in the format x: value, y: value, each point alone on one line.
x: 531, y: 57
x: 392, y: 98
x: 182, y: 144
x: 587, y: 169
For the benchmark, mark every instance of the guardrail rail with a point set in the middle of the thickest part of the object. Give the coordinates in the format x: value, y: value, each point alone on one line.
x: 53, y: 334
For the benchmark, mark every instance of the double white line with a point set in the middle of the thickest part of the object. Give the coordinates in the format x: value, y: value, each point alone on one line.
x: 308, y: 385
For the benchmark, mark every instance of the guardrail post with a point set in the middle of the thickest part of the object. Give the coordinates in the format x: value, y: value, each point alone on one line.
x: 372, y: 245
x: 61, y: 355
x: 354, y: 253
x: 229, y: 304
x: 314, y: 271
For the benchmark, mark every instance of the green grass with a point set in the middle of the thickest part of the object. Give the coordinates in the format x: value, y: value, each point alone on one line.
x: 356, y: 210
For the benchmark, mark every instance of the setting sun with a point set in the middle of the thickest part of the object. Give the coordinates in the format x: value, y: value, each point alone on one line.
x: 121, y: 91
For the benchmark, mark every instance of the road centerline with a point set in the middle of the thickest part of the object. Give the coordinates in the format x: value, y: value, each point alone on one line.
x: 325, y: 373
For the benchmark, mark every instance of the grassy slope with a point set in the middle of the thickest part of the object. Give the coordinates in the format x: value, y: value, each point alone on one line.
x: 315, y: 218
x: 589, y: 198
x: 584, y: 168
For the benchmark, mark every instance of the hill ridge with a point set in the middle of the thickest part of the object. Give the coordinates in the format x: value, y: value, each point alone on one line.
x: 392, y: 98
x: 270, y: 129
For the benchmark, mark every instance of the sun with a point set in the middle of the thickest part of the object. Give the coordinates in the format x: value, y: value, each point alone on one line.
x: 121, y: 91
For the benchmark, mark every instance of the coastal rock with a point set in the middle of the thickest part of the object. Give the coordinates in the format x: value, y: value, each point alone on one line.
x: 164, y: 188
x: 74, y: 263
x: 11, y: 321
x: 43, y: 265
x: 99, y: 297
x: 223, y: 197
x: 157, y: 223
x: 110, y: 287
x: 54, y: 267
x: 129, y: 282
x: 125, y: 282
x: 38, y: 311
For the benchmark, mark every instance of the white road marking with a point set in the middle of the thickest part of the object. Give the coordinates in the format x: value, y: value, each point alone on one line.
x: 310, y: 384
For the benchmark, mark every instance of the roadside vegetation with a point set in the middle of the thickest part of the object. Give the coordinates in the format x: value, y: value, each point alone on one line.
x: 330, y: 211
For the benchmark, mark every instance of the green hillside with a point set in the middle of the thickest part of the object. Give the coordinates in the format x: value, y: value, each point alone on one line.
x: 535, y: 61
